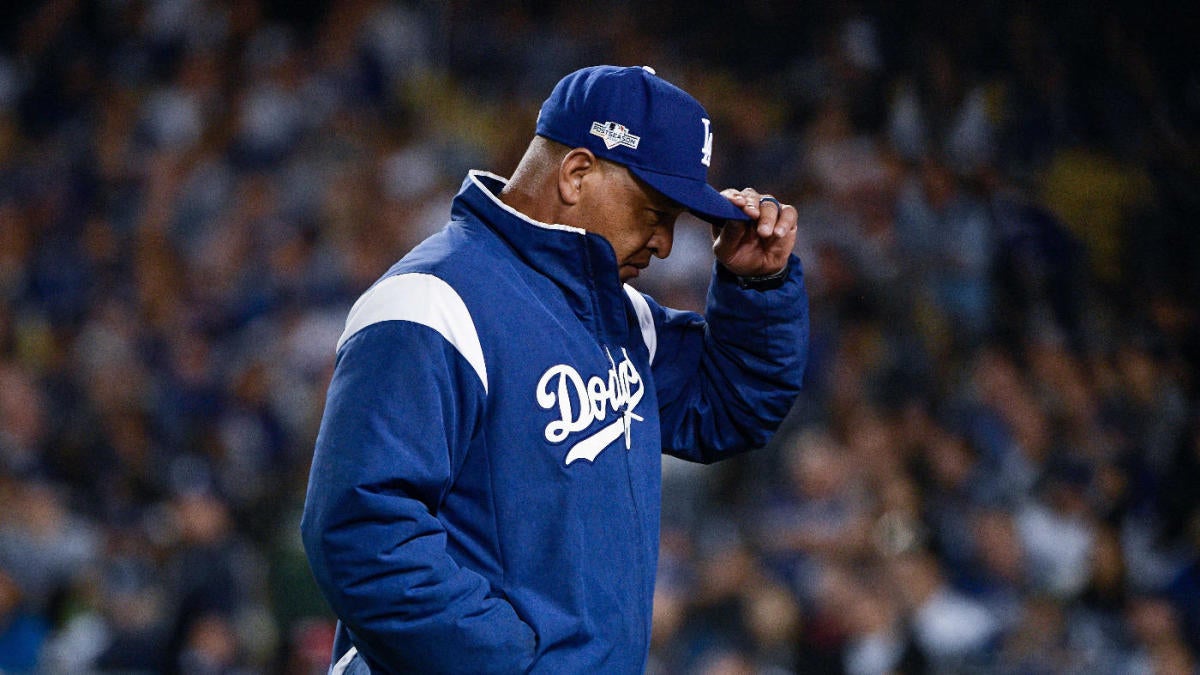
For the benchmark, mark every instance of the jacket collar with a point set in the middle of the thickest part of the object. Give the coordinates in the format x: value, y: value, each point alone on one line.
x: 581, y: 263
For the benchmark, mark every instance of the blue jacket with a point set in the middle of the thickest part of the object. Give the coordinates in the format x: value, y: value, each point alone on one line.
x: 484, y: 495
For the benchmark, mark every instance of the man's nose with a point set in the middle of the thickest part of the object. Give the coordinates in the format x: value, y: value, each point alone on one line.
x: 660, y: 243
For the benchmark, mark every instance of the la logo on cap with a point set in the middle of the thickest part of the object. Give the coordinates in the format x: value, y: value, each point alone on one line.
x: 614, y: 134
x: 706, y: 151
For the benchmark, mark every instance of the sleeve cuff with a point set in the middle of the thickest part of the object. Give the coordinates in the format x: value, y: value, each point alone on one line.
x: 760, y: 283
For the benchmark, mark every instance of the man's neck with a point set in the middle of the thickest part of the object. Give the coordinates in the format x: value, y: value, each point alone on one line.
x: 530, y: 199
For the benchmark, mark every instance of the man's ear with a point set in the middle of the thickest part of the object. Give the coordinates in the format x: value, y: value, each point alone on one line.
x: 575, y: 166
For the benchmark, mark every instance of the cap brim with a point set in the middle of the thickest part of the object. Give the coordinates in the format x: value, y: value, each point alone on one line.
x: 696, y: 196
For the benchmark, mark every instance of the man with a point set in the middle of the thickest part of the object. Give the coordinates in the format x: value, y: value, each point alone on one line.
x: 484, y: 496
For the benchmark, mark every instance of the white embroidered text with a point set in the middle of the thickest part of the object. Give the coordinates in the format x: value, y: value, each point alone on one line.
x: 582, y: 403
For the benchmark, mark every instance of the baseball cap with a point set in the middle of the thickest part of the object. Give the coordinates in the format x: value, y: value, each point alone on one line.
x: 633, y: 117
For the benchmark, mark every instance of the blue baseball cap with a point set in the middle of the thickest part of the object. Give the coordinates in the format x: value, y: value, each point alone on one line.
x: 633, y: 117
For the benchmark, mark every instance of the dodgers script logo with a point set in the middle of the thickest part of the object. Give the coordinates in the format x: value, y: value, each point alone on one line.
x: 580, y: 404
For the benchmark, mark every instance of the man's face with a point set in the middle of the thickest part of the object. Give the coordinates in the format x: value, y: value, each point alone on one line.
x: 637, y: 220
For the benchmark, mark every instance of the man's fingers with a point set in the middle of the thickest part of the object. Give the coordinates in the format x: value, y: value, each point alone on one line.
x: 745, y: 199
x: 771, y: 217
x: 769, y: 209
x: 786, y: 220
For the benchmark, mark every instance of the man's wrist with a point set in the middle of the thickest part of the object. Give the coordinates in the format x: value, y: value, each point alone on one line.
x: 763, y: 282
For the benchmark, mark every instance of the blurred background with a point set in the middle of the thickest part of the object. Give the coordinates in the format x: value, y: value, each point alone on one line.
x: 995, y: 467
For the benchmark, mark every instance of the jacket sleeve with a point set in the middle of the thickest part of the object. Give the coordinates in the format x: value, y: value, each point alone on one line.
x: 398, y: 419
x: 726, y: 380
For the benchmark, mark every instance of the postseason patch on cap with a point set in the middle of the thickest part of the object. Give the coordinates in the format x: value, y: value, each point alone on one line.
x: 614, y: 134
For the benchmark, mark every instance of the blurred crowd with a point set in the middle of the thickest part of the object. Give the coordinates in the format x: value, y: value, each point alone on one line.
x: 995, y: 467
